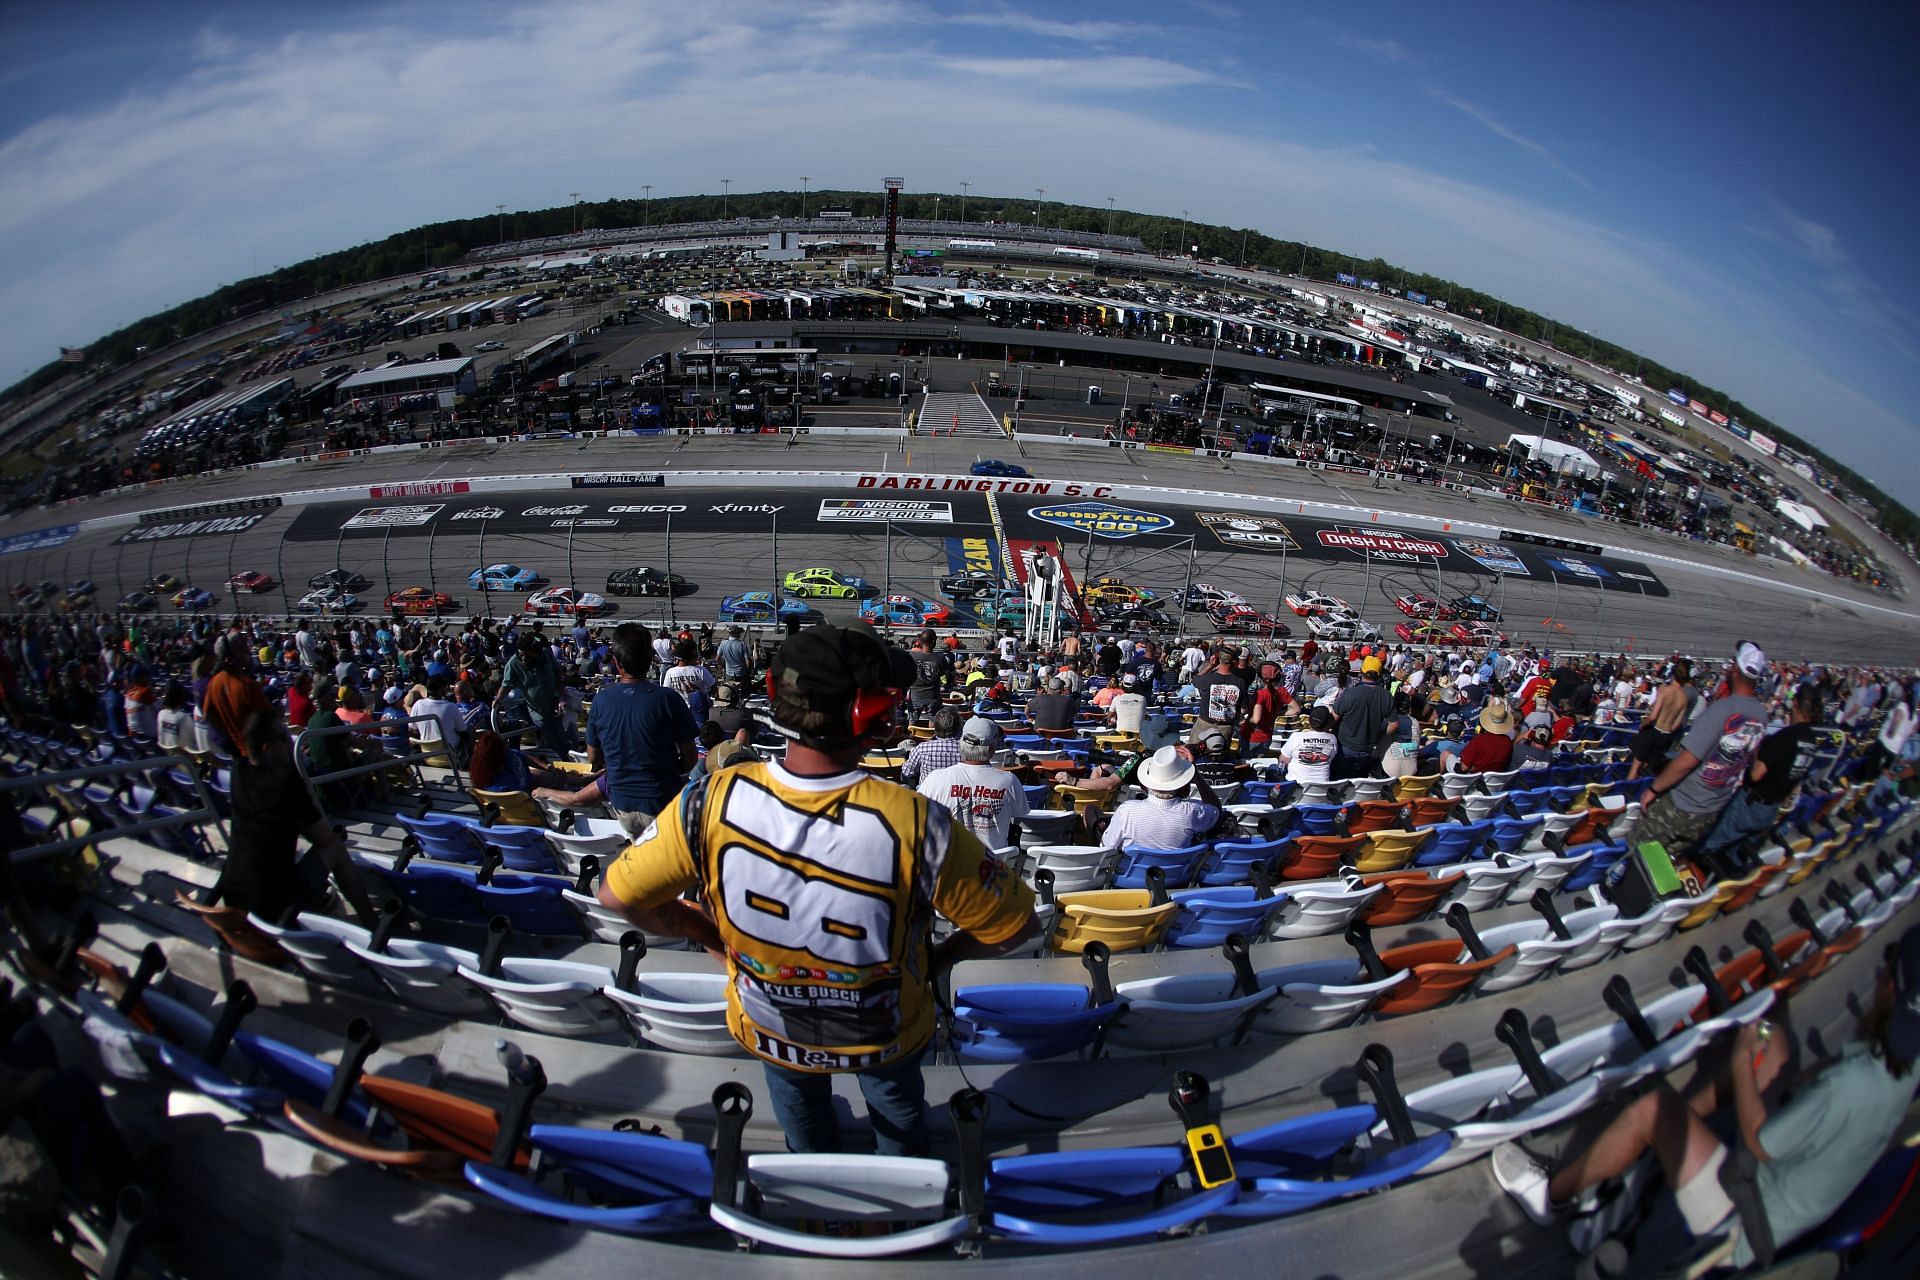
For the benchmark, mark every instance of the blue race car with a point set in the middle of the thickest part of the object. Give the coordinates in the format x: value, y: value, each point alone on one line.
x: 192, y: 598
x: 761, y: 606
x: 995, y: 467
x: 905, y: 611
x: 502, y: 577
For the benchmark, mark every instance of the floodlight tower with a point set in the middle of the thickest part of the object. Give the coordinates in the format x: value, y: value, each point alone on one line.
x: 893, y: 219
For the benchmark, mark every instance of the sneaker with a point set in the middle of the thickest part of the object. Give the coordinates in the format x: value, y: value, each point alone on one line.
x: 1524, y: 1178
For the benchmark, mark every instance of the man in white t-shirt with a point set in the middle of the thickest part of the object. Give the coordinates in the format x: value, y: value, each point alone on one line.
x: 1309, y: 752
x: 985, y: 800
x: 1192, y: 658
x: 1128, y: 710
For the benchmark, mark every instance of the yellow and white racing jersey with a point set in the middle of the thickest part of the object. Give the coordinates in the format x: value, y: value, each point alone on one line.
x: 823, y: 890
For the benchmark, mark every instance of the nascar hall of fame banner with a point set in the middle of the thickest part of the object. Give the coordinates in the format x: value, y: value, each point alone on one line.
x: 885, y: 509
x: 1248, y: 532
x: 1492, y: 556
x: 1381, y: 544
x: 1102, y: 519
x: 621, y: 480
x: 1575, y: 568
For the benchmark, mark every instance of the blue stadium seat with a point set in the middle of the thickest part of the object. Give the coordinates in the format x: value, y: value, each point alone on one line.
x: 1076, y: 1198
x: 1025, y: 1022
x: 628, y: 1182
x: 1176, y: 864
x: 1455, y: 842
x: 1207, y: 916
x: 1232, y: 861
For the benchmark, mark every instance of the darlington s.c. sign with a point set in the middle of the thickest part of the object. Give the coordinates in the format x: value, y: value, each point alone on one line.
x: 985, y: 484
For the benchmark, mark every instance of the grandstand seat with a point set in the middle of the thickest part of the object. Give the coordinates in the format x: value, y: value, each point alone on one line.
x: 1871, y: 1207
x: 1282, y: 1166
x: 515, y: 808
x: 317, y: 944
x: 1650, y: 928
x: 1207, y: 916
x: 1479, y: 1110
x: 1027, y: 1022
x: 1048, y: 826
x: 601, y: 838
x: 1175, y: 864
x: 1076, y: 868
x: 1539, y: 951
x: 1546, y: 871
x: 685, y: 1012
x: 634, y: 1183
x: 423, y: 974
x: 1511, y: 835
x: 234, y: 929
x: 1361, y: 790
x: 1405, y: 896
x: 1080, y: 1198
x: 442, y: 1131
x: 1123, y: 919
x: 1375, y: 815
x: 1600, y: 860
x: 1478, y: 805
x: 1488, y: 884
x: 1615, y: 1055
x: 1453, y: 842
x: 1436, y: 976
x: 1425, y: 811
x: 1180, y: 1012
x: 1311, y: 857
x: 1388, y: 850
x: 1319, y: 908
x: 556, y: 997
x: 1323, y: 794
x: 1414, y: 786
x: 438, y: 890
x: 1232, y: 861
x: 1321, y: 819
x: 1317, y: 995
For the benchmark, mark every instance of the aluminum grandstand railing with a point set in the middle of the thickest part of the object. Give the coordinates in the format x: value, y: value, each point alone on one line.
x: 76, y: 779
x: 431, y: 752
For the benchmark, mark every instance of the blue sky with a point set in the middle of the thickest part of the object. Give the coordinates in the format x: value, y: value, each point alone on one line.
x: 1718, y: 185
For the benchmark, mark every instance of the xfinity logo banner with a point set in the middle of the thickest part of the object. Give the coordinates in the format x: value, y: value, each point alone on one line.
x: 394, y: 517
x: 1381, y: 545
x: 1103, y: 519
x: 1247, y: 531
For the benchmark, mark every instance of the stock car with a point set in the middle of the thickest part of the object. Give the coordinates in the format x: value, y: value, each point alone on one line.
x: 193, y: 598
x: 1243, y: 619
x: 1342, y: 628
x: 1479, y: 633
x: 160, y: 582
x: 646, y: 581
x: 826, y: 582
x: 905, y: 611
x: 1424, y: 607
x: 566, y: 600
x: 1114, y: 593
x: 1204, y: 597
x: 138, y: 602
x: 337, y: 579
x: 1010, y: 612
x: 80, y: 587
x: 995, y: 467
x: 1475, y: 609
x: 764, y: 606
x: 250, y: 580
x: 420, y: 601
x: 969, y: 583
x: 503, y: 577
x: 326, y: 600
x: 1423, y: 633
x: 1130, y: 619
x: 1310, y: 604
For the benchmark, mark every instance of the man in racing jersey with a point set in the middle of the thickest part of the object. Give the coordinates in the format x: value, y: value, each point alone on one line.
x: 1688, y: 795
x: 820, y: 885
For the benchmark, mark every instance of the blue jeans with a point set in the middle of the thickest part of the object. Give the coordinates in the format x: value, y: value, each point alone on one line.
x: 1741, y: 818
x: 896, y: 1097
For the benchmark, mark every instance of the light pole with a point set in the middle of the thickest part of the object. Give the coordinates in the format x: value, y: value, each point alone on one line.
x: 646, y: 214
x: 576, y: 211
x: 804, y: 180
x: 964, y: 184
x: 726, y: 191
x: 936, y: 208
x: 1042, y: 193
x: 1181, y: 244
x: 500, y: 236
x: 1109, y: 215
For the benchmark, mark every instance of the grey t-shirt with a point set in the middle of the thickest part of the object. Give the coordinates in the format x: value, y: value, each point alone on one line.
x: 1820, y: 1145
x: 1723, y: 737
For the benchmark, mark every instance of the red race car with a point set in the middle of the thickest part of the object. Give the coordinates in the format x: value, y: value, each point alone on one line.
x: 1424, y: 607
x: 1478, y: 633
x: 420, y: 601
x: 252, y: 580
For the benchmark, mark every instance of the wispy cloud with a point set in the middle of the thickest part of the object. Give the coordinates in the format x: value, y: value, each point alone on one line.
x: 1218, y: 10
x: 1855, y: 294
x: 1052, y: 28
x: 1079, y: 74
x: 1540, y: 150
x: 1386, y: 50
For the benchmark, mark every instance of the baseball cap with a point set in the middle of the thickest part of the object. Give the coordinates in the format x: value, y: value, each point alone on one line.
x: 724, y: 694
x: 979, y: 737
x: 1370, y: 666
x: 1751, y: 661
x: 393, y: 696
x: 1127, y: 681
x: 1903, y: 1028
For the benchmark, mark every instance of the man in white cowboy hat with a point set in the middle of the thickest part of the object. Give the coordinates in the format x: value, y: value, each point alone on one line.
x: 1178, y: 810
